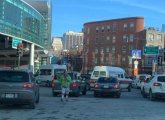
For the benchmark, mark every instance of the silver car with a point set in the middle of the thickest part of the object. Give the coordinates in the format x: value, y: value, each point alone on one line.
x: 18, y: 87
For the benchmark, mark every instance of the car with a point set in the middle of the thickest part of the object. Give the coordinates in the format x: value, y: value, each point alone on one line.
x: 154, y: 87
x: 107, y: 86
x: 76, y: 86
x: 140, y: 78
x: 85, y: 79
x: 18, y: 87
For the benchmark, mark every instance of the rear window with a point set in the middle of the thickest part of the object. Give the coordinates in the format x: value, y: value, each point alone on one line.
x: 161, y: 79
x: 13, y: 76
x: 142, y: 77
x: 45, y: 71
x: 107, y: 80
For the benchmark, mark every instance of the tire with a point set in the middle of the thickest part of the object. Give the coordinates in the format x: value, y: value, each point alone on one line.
x: 117, y: 95
x: 77, y: 94
x: 143, y: 93
x: 151, y: 97
x: 38, y: 98
x: 32, y: 105
x: 54, y: 94
x: 129, y: 88
x: 84, y: 92
x: 95, y: 94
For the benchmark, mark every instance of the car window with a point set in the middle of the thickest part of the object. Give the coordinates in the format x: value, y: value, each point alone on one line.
x: 96, y: 73
x: 161, y: 79
x: 102, y: 73
x: 45, y: 71
x: 12, y: 76
x: 107, y: 80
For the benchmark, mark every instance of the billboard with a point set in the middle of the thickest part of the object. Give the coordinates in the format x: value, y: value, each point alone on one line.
x: 136, y: 54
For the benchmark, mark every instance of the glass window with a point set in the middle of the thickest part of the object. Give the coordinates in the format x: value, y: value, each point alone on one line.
x: 151, y: 37
x: 96, y: 61
x: 107, y: 49
x: 113, y: 39
x: 125, y: 38
x: 108, y: 38
x: 132, y: 25
x: 161, y: 79
x: 102, y: 29
x: 45, y: 71
x: 159, y: 38
x: 107, y: 80
x: 108, y: 28
x: 114, y: 27
x: 102, y: 73
x: 131, y: 37
x: 96, y: 50
x: 97, y: 41
x: 125, y: 26
x: 97, y: 29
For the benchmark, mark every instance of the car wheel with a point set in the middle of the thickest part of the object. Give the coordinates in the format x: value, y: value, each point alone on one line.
x: 54, y: 94
x: 118, y: 95
x: 151, y: 97
x: 38, y: 98
x: 77, y: 94
x: 32, y: 105
x: 95, y: 94
x: 143, y: 93
x: 84, y: 92
x: 129, y: 88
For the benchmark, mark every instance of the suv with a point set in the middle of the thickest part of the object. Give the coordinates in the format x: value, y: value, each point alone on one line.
x: 154, y: 87
x: 18, y: 87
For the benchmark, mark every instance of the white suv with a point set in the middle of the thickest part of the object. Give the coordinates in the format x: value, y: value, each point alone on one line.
x: 154, y: 87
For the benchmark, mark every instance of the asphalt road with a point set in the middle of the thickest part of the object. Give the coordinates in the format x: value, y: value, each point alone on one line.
x: 131, y: 106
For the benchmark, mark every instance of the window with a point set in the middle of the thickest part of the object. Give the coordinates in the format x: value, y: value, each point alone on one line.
x: 113, y: 49
x: 97, y: 29
x: 106, y: 60
x: 123, y: 60
x: 108, y: 38
x: 102, y: 60
x: 132, y: 25
x: 102, y: 29
x: 159, y: 38
x: 151, y: 37
x: 108, y: 28
x: 96, y: 61
x: 96, y: 50
x: 101, y: 50
x: 102, y: 39
x: 114, y: 27
x: 107, y: 49
x: 88, y: 31
x: 107, y: 80
x: 113, y: 39
x: 131, y: 37
x: 125, y: 27
x: 97, y: 41
x: 125, y: 38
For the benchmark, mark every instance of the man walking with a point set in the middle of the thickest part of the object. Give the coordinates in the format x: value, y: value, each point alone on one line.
x: 65, y: 80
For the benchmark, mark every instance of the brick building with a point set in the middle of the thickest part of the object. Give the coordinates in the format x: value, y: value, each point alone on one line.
x: 110, y: 42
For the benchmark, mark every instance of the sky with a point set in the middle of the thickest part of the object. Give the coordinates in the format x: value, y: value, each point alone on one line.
x: 70, y: 15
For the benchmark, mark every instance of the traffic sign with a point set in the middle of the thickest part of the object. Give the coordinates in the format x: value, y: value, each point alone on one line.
x: 151, y: 50
x: 15, y: 42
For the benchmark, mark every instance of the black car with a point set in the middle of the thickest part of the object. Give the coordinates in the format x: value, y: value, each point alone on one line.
x: 85, y: 79
x: 107, y: 86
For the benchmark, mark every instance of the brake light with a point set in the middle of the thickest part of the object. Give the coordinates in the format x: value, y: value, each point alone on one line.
x: 91, y: 81
x: 74, y: 85
x: 28, y: 85
x: 53, y: 85
x: 157, y: 84
x: 96, y: 86
x: 116, y: 86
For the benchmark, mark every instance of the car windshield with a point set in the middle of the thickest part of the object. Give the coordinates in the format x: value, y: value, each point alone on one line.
x: 107, y: 80
x: 13, y: 76
x: 161, y: 79
x: 45, y: 71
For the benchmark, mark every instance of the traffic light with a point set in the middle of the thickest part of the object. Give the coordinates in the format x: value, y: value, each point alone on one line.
x: 20, y: 49
x: 159, y: 60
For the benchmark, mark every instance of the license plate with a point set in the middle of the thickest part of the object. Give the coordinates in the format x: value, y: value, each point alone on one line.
x: 106, y: 86
x: 9, y: 95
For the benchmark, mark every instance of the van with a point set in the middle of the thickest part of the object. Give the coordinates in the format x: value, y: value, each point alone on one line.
x: 107, y: 71
x: 47, y: 73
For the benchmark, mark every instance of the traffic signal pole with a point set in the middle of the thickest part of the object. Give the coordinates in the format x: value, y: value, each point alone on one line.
x: 19, y: 58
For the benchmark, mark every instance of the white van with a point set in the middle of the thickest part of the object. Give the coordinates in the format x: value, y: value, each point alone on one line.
x: 106, y: 71
x: 47, y: 73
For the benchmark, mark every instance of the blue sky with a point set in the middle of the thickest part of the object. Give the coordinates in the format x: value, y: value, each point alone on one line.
x: 70, y: 15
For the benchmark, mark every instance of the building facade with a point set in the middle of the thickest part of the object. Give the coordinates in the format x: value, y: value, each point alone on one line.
x: 21, y: 21
x: 110, y: 42
x: 152, y: 37
x: 72, y: 40
x: 57, y: 45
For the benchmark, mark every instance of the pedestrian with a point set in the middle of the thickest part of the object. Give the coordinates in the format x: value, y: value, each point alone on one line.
x: 65, y: 80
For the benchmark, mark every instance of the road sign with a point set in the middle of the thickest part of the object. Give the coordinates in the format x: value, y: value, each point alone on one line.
x: 15, y: 42
x: 151, y: 50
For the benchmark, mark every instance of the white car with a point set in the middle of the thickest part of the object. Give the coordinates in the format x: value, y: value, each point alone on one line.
x: 154, y: 87
x: 140, y: 78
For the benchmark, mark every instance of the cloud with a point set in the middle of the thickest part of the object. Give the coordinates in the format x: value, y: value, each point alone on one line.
x: 143, y: 4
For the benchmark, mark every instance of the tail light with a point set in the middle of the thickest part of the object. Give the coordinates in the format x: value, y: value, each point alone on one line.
x: 53, y: 85
x: 116, y: 86
x: 96, y: 86
x: 91, y: 81
x: 28, y: 85
x: 157, y: 84
x: 74, y: 84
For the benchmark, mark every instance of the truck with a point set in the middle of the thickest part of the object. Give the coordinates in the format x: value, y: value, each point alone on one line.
x: 47, y: 73
x: 107, y: 71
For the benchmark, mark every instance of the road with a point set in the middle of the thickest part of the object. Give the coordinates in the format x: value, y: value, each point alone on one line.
x: 131, y: 106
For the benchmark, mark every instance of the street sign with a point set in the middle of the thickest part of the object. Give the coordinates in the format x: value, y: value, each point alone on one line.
x: 15, y: 42
x: 151, y: 50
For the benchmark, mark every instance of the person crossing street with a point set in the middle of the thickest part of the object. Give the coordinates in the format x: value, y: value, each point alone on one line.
x: 65, y: 80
